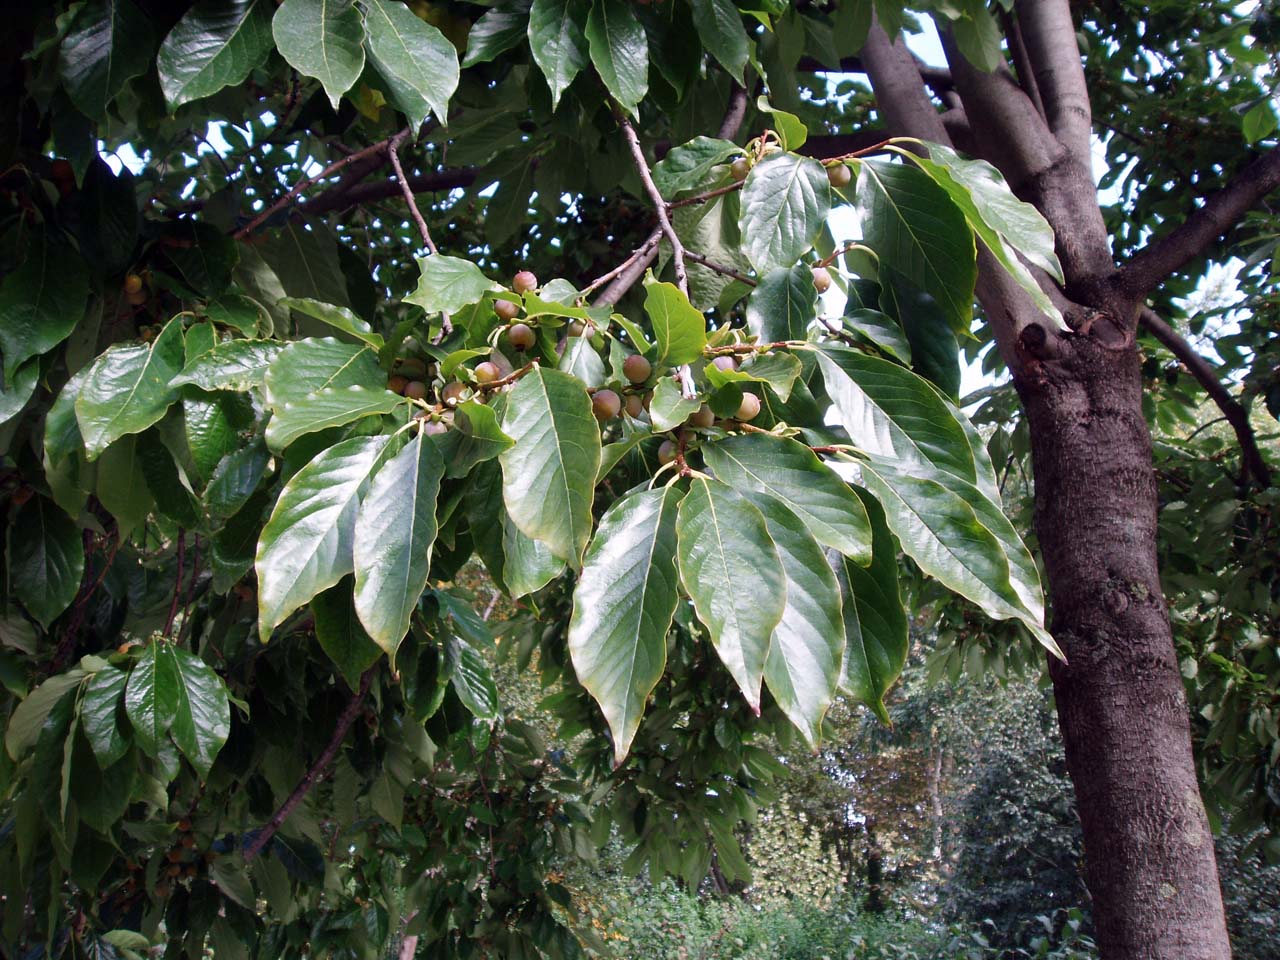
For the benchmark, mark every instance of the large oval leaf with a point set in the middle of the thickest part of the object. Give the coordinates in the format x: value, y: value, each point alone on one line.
x: 558, y: 42
x: 802, y: 669
x: 395, y: 529
x: 230, y: 365
x: 783, y: 305
x: 216, y: 44
x: 679, y: 329
x: 731, y: 570
x: 151, y: 697
x: 109, y: 43
x: 549, y: 474
x: 202, y: 721
x: 306, y: 366
x: 46, y: 559
x: 419, y: 65
x: 785, y: 202
x: 321, y: 39
x: 623, y: 606
x: 330, y: 407
x: 306, y: 545
x: 791, y: 472
x: 40, y: 302
x: 619, y: 51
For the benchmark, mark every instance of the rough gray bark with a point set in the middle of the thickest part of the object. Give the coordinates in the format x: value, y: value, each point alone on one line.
x: 1150, y: 864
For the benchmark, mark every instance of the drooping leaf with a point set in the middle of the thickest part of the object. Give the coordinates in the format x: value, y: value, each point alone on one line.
x: 479, y: 437
x: 330, y: 407
x: 720, y: 28
x: 558, y: 41
x: 582, y: 361
x: 122, y: 486
x: 99, y: 715
x: 785, y: 202
x: 783, y: 305
x: 19, y: 390
x: 28, y: 718
x: 619, y: 51
x: 679, y: 329
x: 395, y: 530
x: 791, y: 472
x: 549, y: 474
x: 731, y: 570
x: 340, y: 633
x: 109, y: 44
x: 913, y: 225
x: 152, y: 696
x: 216, y: 44
x: 128, y: 389
x: 498, y: 30
x: 40, y: 302
x: 46, y: 559
x: 622, y: 608
x: 875, y: 623
x: 306, y: 545
x: 321, y: 39
x: 448, y: 284
x: 802, y: 669
x: 338, y: 317
x: 419, y: 65
x: 934, y: 353
x: 202, y: 721
x: 472, y: 680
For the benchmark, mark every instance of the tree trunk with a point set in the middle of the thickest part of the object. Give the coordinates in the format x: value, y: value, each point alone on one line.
x: 1122, y: 710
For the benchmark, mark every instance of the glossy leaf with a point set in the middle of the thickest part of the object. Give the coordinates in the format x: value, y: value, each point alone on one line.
x: 498, y: 30
x: 99, y: 713
x: 479, y: 437
x: 152, y: 696
x: 669, y: 407
x: 913, y: 225
x: 549, y: 475
x: 122, y: 486
x: 791, y: 472
x: 202, y: 722
x: 41, y: 301
x: 448, y: 284
x: 802, y: 668
x: 472, y: 680
x: 934, y: 353
x: 330, y: 407
x: 307, y: 366
x: 215, y: 44
x: 419, y: 65
x: 679, y: 329
x: 558, y: 42
x: 128, y: 389
x: 875, y: 623
x: 18, y: 391
x: 230, y: 365
x: 783, y: 305
x: 321, y: 39
x: 46, y: 559
x: 622, y: 608
x: 731, y: 570
x: 109, y: 43
x: 22, y: 731
x: 341, y: 634
x: 785, y: 202
x: 306, y: 545
x: 395, y: 530
x: 338, y: 317
x: 619, y: 51
x: 720, y: 28
x: 690, y: 165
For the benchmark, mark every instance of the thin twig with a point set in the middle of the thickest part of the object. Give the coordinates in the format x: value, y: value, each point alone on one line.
x: 392, y: 146
x: 318, y: 769
x: 509, y: 378
x: 704, y: 197
x: 636, y: 255
x: 305, y: 182
x: 659, y: 204
x: 177, y: 583
x: 719, y: 268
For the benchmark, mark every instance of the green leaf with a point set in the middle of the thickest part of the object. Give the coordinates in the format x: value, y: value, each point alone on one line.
x: 335, y: 316
x: 395, y: 529
x: 558, y: 42
x: 212, y: 427
x: 913, y: 225
x: 128, y: 389
x: 306, y: 545
x: 690, y: 165
x: 447, y: 284
x: 549, y: 475
x: 13, y: 399
x: 152, y: 696
x: 168, y: 486
x: 27, y: 720
x: 679, y: 328
x: 307, y: 366
x: 803, y: 665
x: 230, y: 365
x: 418, y: 64
x: 1006, y: 225
x: 622, y: 608
x: 790, y: 129
x: 201, y: 254
x: 99, y: 710
x: 330, y: 407
x: 40, y: 302
x: 472, y: 681
x: 321, y: 39
x: 935, y: 355
x: 619, y: 51
x: 720, y: 28
x: 783, y: 305
x: 500, y: 29
x: 340, y: 633
x: 61, y: 429
x: 732, y: 571
x: 46, y: 559
x: 875, y: 623
x: 479, y: 437
x: 517, y: 563
x: 669, y: 407
x: 785, y: 202
x: 779, y: 370
x: 109, y: 44
x: 978, y: 37
x: 581, y: 360
x: 202, y: 721
x: 122, y: 486
x: 791, y: 472
x: 880, y: 330
x: 216, y: 44
x: 1259, y: 121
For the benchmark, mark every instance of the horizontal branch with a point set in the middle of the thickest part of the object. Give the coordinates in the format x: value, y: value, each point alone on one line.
x: 1207, y: 377
x: 1149, y: 267
x: 361, y: 193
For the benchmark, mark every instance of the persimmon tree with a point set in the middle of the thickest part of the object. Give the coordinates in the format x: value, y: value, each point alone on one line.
x: 552, y: 286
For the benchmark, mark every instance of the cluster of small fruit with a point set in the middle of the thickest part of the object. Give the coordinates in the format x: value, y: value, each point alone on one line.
x: 182, y: 862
